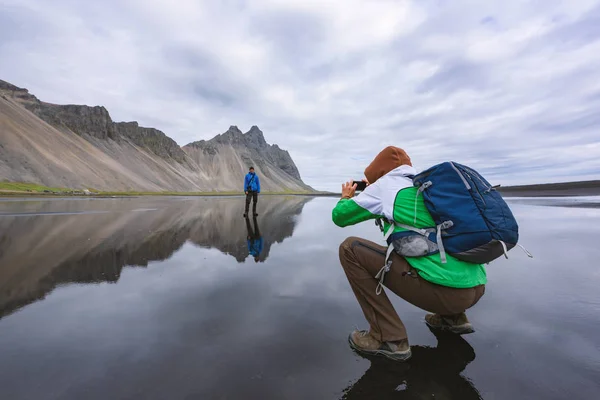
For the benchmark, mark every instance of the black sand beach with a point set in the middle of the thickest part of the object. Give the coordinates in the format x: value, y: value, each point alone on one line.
x: 156, y: 298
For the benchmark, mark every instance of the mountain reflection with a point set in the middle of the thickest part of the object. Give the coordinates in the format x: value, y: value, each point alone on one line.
x: 41, y: 249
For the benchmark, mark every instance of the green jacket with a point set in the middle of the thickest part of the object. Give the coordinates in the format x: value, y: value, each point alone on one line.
x: 394, y: 197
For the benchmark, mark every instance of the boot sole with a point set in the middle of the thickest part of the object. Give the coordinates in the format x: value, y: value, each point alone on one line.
x: 387, y: 354
x: 459, y: 330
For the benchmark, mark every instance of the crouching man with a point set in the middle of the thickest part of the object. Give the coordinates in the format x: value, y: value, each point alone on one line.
x: 446, y: 290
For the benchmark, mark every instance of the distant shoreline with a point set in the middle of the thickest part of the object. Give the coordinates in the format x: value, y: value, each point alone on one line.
x: 565, y: 189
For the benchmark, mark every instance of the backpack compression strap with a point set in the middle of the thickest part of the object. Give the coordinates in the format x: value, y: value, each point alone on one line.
x: 388, y: 263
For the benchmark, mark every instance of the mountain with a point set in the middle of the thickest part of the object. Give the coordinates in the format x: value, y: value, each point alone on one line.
x: 78, y: 146
x: 231, y: 152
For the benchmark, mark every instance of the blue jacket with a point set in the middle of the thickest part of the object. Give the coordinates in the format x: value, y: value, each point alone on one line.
x: 255, y: 246
x: 254, y: 185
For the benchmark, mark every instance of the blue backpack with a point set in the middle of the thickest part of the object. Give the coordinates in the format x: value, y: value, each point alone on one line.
x: 475, y: 223
x: 472, y: 221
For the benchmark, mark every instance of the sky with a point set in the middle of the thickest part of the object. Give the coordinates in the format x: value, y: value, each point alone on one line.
x: 510, y: 88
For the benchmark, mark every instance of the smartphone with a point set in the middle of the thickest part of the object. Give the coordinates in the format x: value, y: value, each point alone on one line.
x: 360, y: 185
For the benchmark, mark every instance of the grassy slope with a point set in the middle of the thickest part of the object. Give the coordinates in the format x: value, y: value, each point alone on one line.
x: 28, y: 187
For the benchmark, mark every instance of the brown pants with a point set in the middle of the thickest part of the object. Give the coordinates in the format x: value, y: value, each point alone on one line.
x: 362, y: 260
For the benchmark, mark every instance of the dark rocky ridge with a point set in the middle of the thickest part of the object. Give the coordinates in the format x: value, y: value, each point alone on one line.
x: 96, y: 122
x: 152, y: 139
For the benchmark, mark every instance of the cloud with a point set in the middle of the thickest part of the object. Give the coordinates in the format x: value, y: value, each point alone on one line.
x: 511, y: 88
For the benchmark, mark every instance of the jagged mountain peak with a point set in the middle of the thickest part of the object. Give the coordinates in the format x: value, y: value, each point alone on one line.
x: 254, y: 138
x: 233, y: 129
x: 254, y: 130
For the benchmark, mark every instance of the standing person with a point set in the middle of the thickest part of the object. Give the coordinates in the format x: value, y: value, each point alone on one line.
x: 445, y: 289
x: 252, y: 189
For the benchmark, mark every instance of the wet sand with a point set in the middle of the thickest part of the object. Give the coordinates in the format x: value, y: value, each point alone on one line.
x: 159, y: 298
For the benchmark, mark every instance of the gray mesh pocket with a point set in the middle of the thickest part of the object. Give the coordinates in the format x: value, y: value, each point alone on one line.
x: 414, y: 246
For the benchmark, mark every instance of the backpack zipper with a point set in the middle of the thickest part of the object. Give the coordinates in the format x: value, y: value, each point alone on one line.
x: 476, y: 188
x: 479, y: 178
x: 461, y: 176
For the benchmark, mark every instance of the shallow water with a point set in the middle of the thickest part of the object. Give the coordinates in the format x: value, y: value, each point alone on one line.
x: 158, y: 298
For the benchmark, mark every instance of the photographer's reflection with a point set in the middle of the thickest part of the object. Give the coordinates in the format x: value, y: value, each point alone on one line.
x: 254, y: 239
x: 431, y: 372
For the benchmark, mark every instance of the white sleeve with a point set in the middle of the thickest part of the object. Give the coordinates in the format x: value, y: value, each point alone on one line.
x: 379, y: 198
x: 370, y: 199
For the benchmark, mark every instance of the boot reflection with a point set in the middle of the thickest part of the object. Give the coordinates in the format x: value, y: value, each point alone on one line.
x: 431, y: 373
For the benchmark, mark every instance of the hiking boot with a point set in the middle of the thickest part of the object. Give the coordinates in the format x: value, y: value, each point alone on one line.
x: 457, y: 323
x: 364, y: 343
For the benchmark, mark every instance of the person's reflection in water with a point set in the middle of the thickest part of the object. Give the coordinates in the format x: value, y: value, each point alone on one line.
x: 254, y: 239
x: 431, y: 373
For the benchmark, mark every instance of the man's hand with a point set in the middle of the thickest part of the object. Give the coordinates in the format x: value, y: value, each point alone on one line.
x: 246, y: 192
x: 348, y: 190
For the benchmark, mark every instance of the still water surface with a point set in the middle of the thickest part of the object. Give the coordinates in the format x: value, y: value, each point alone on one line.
x: 159, y: 298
